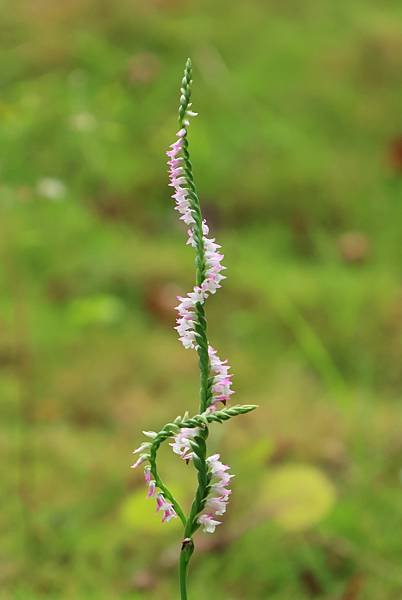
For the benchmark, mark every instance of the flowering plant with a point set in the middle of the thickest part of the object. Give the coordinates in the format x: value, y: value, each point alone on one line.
x: 189, y: 434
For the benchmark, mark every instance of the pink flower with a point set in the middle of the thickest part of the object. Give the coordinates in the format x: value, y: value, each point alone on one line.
x: 175, y: 148
x: 182, y: 443
x: 140, y: 460
x: 142, y: 447
x: 216, y: 505
x: 219, y: 494
x: 161, y: 503
x: 208, y: 523
x: 215, y: 466
x: 222, y: 380
x: 147, y: 474
x: 151, y: 489
x: 167, y: 508
x: 168, y: 515
x: 186, y: 309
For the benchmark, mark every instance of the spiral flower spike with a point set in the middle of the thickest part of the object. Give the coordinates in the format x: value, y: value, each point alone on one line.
x: 189, y: 435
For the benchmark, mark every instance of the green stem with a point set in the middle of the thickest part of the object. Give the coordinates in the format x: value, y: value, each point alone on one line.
x: 187, y: 549
x: 191, y: 526
x: 166, y: 432
x: 183, y: 565
x: 200, y: 327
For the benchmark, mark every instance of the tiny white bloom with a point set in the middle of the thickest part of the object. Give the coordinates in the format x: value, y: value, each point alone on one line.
x: 150, y: 434
x: 51, y: 188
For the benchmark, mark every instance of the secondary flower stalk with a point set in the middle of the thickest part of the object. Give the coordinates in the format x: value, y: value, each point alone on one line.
x: 189, y: 435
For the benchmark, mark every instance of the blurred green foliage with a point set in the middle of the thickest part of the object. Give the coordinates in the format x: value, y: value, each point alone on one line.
x: 298, y: 155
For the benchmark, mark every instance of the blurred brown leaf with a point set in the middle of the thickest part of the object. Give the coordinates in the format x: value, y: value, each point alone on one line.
x: 143, y: 68
x: 144, y: 580
x: 353, y: 588
x: 354, y: 247
x: 311, y: 583
x: 160, y: 298
x: 394, y: 154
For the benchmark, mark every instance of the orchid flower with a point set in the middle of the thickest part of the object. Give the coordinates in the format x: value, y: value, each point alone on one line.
x: 188, y: 435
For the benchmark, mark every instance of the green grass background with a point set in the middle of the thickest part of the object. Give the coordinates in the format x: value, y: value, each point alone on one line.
x: 300, y: 103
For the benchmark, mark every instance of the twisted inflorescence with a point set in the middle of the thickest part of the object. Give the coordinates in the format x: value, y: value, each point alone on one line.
x: 191, y: 324
x: 188, y: 435
x: 214, y: 473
